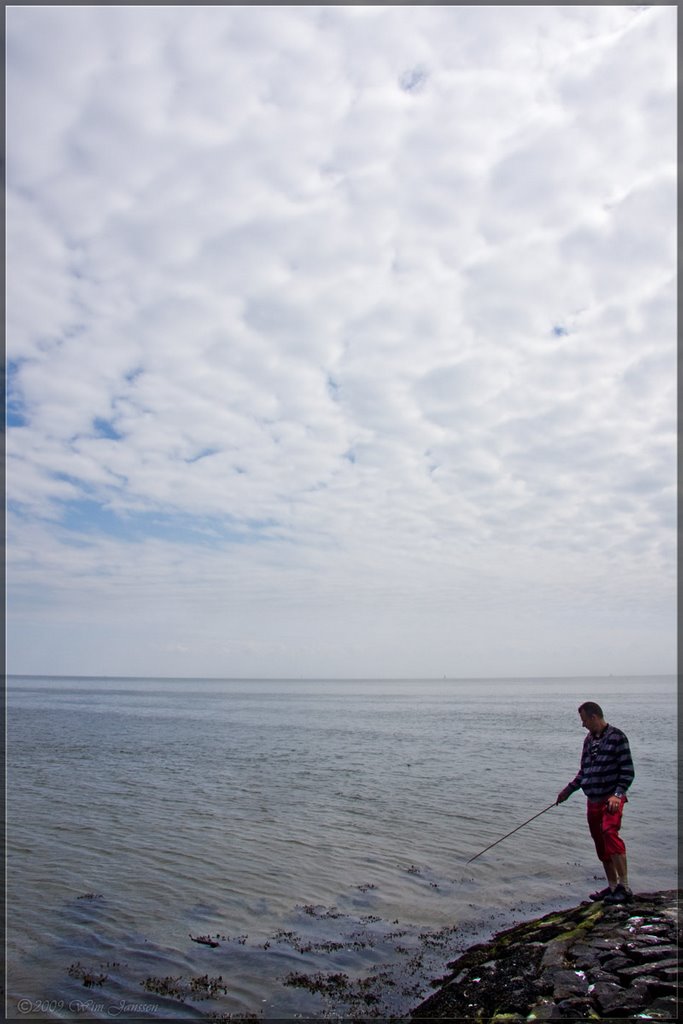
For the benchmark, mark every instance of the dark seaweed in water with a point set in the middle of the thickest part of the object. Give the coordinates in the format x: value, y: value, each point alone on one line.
x: 358, y: 995
x: 165, y: 987
x: 202, y: 987
x: 380, y: 992
x: 304, y: 946
x: 86, y: 975
x: 205, y: 940
x: 227, y: 1018
x: 326, y: 984
x: 206, y: 987
x: 318, y: 911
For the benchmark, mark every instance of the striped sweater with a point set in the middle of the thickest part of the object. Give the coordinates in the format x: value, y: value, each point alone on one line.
x: 606, y: 766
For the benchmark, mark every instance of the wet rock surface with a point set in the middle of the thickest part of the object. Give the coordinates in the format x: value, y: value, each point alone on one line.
x: 593, y: 962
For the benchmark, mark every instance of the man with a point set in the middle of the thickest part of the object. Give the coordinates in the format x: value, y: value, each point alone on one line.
x: 605, y: 774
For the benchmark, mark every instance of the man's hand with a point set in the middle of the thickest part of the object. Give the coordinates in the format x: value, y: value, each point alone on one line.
x: 562, y: 796
x: 613, y: 804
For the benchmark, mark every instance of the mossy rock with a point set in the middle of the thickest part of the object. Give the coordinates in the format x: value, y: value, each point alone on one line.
x: 591, y: 917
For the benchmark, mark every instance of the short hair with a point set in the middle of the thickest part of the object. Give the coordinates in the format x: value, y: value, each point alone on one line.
x: 591, y: 709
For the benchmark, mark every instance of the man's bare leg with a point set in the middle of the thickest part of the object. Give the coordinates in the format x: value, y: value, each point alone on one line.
x: 619, y: 868
x: 611, y: 872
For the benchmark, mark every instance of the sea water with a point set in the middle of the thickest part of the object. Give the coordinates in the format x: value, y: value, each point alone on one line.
x: 312, y: 829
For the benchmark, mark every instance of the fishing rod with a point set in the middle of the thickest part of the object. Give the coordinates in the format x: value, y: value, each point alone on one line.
x: 553, y: 804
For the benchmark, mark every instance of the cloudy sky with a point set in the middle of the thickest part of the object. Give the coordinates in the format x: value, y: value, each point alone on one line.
x: 341, y: 340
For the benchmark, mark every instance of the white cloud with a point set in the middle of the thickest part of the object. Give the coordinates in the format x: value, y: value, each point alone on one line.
x: 341, y: 339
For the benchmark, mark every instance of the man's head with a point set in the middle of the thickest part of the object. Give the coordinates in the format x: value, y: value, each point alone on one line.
x: 592, y: 717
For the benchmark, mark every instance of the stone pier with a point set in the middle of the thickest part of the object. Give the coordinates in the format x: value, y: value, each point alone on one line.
x: 593, y: 962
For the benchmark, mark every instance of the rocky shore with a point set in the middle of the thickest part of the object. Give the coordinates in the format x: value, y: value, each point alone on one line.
x: 593, y: 962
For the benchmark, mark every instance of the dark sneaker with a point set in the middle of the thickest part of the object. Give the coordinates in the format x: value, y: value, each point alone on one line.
x: 622, y: 894
x: 600, y: 895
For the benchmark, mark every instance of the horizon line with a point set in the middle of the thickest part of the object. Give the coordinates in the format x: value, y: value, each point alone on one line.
x: 337, y: 679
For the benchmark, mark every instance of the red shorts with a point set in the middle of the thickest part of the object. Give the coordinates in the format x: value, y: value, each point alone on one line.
x: 604, y: 827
